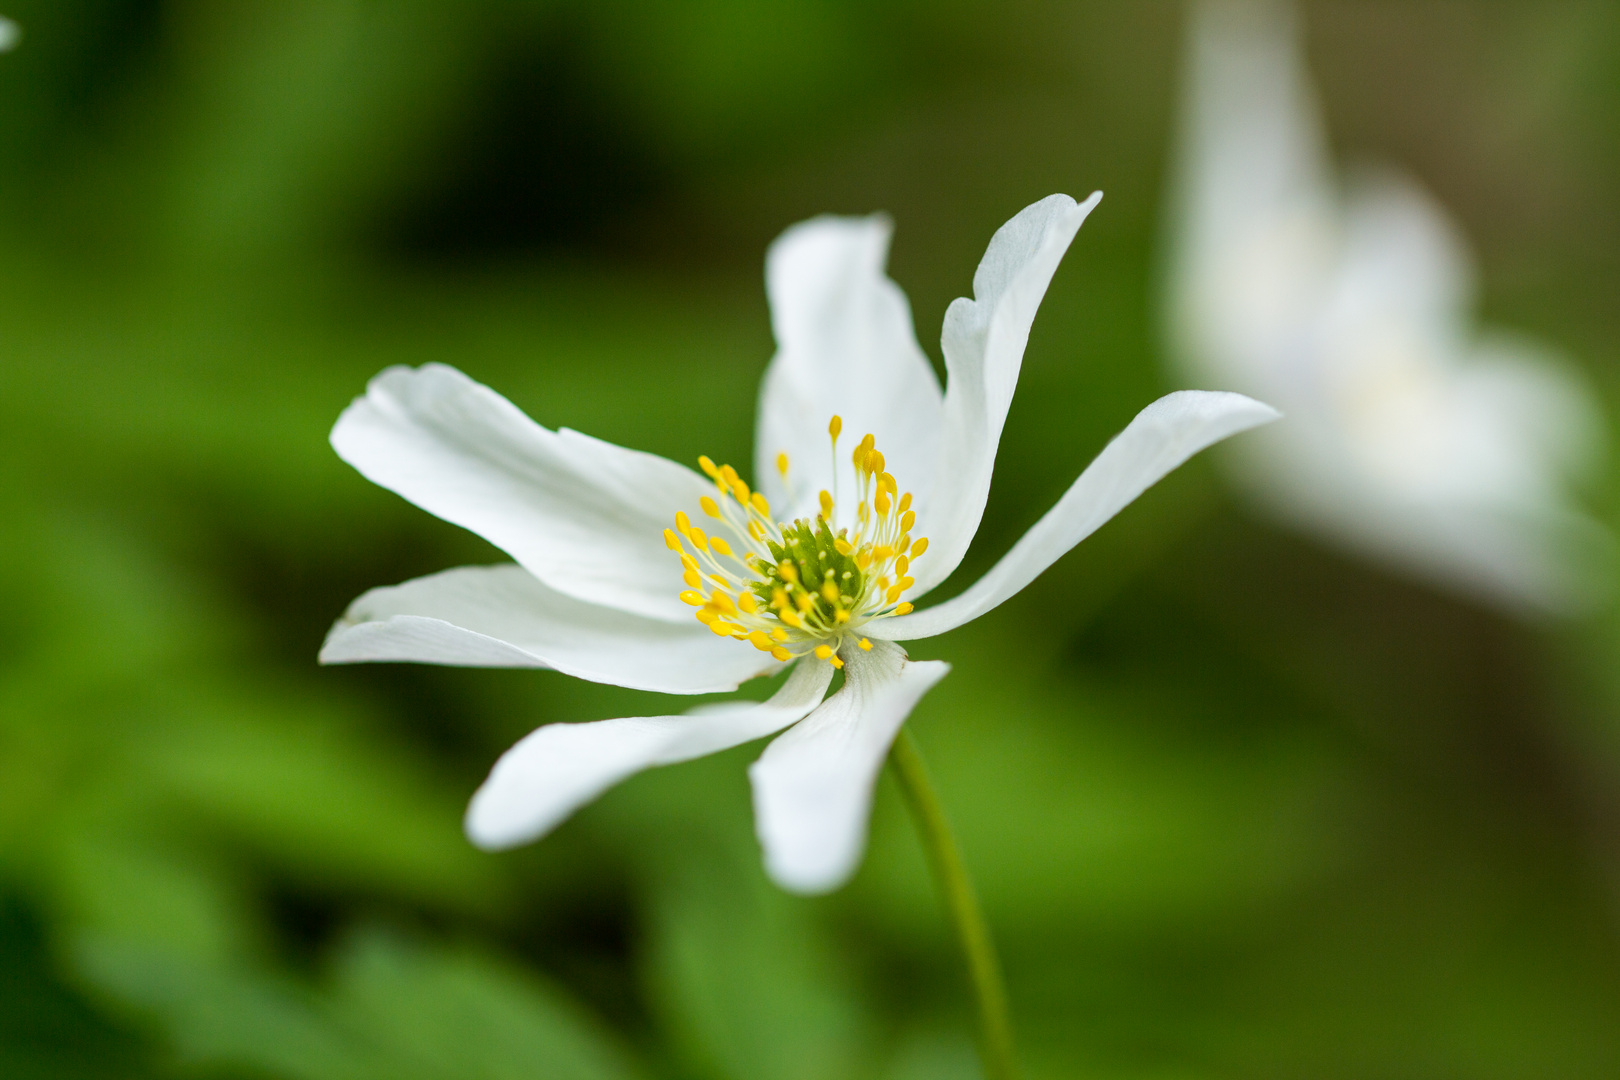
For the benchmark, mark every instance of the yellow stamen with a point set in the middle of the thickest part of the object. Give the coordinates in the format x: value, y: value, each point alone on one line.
x: 781, y: 654
x: 718, y: 580
x: 823, y: 651
x: 759, y: 640
x: 692, y: 596
x: 691, y: 578
x: 843, y: 547
x: 804, y: 602
x: 906, y: 608
x: 747, y: 602
x: 740, y: 490
x: 723, y: 602
x: 779, y: 598
x: 840, y: 616
x: 826, y: 505
x: 905, y: 502
x: 710, y: 507
x: 722, y: 628
x: 907, y: 519
x: 835, y: 426
x: 881, y: 552
x: 727, y: 477
x: 699, y: 541
x: 791, y: 617
x: 688, y: 562
x: 901, y: 565
x: 893, y: 594
x: 672, y: 541
x: 720, y: 546
x: 836, y: 663
x: 874, y: 461
x: 881, y: 503
x: 782, y: 465
x: 682, y: 522
x: 708, y: 466
x: 779, y: 634
x: 919, y: 547
x: 757, y: 501
x: 865, y: 644
x: 888, y: 482
x: 706, y: 615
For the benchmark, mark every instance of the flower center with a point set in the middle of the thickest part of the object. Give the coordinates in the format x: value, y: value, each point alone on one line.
x: 801, y: 587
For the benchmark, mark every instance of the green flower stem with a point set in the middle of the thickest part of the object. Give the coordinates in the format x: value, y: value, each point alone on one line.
x: 945, y: 859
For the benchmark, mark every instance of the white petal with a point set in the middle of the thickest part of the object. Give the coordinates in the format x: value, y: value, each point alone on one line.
x: 556, y: 769
x: 502, y: 616
x: 584, y: 516
x: 1162, y: 436
x: 845, y: 346
x: 984, y: 341
x: 813, y: 786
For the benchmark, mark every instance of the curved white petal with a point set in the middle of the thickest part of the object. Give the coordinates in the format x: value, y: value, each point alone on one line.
x: 984, y: 341
x: 584, y: 516
x: 845, y: 346
x: 555, y: 770
x: 813, y: 785
x: 1162, y: 436
x: 502, y: 616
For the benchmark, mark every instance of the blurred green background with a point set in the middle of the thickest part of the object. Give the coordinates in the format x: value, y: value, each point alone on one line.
x: 1238, y: 806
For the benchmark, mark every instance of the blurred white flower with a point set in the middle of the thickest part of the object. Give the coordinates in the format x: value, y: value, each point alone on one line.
x: 611, y: 570
x: 1409, y: 436
x: 10, y: 34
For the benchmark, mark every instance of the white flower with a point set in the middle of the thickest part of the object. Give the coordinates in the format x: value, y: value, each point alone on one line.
x: 809, y: 571
x: 1410, y: 437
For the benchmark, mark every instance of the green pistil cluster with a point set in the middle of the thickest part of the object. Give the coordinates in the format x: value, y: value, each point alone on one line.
x: 815, y: 572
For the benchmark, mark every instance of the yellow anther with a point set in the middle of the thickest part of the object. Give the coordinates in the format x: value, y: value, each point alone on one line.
x: 692, y: 596
x: 881, y: 503
x: 761, y: 641
x: 757, y: 501
x: 747, y: 602
x: 906, y: 583
x: 862, y: 448
x: 893, y: 594
x: 782, y: 465
x: 788, y: 571
x: 881, y: 552
x: 901, y: 565
x: 781, y: 654
x: 919, y: 547
x: 791, y: 617
x: 672, y: 541
x: 728, y: 476
x: 844, y: 547
x: 710, y: 507
x: 863, y: 560
x: 720, y: 546
x: 707, y: 466
x: 903, y: 543
x: 804, y: 602
x: 835, y: 426
x: 906, y: 608
x: 836, y: 663
x: 699, y: 541
x: 907, y: 520
x: 706, y: 615
x: 682, y: 522
x: 823, y: 652
x: 826, y: 504
x: 905, y: 502
x: 688, y: 562
x: 779, y: 634
x: 755, y: 529
x: 840, y: 616
x: 740, y: 490
x: 722, y: 628
x: 720, y: 581
x: 779, y: 598
x: 691, y: 578
x: 865, y: 644
x: 874, y: 461
x: 723, y: 602
x: 829, y: 590
x: 888, y: 482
